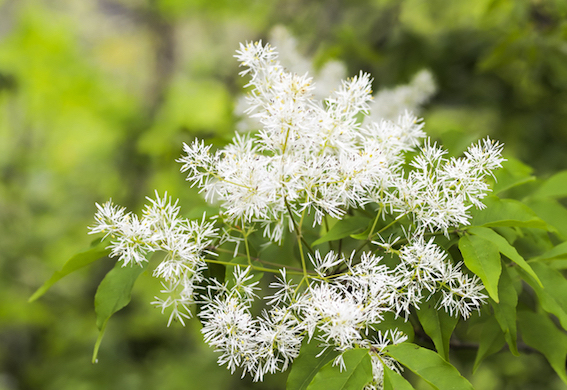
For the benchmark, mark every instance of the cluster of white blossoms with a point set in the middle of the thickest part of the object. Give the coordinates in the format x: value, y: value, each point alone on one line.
x: 323, y: 159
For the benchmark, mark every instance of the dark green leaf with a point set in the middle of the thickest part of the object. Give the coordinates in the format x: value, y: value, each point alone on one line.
x: 553, y: 295
x: 357, y: 374
x: 394, y: 381
x: 429, y: 366
x: 491, y: 340
x: 307, y: 364
x: 505, y: 310
x: 506, y: 212
x: 539, y: 332
x: 113, y: 294
x: 390, y: 322
x: 483, y: 258
x: 342, y: 229
x: 438, y: 325
x: 76, y: 262
x: 504, y: 247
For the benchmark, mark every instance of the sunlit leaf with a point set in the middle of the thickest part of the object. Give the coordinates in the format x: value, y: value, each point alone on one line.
x: 506, y: 212
x: 357, y: 374
x: 342, y: 229
x: 75, y: 263
x: 554, y: 187
x: 483, y: 258
x: 429, y: 366
x: 394, y: 381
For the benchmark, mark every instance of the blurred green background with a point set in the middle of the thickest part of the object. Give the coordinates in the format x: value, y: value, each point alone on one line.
x: 96, y: 98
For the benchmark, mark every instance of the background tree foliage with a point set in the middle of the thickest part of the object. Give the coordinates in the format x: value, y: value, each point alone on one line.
x: 97, y: 97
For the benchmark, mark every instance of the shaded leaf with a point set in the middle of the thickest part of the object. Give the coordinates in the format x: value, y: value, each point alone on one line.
x: 438, y: 325
x: 390, y: 322
x: 75, y: 263
x: 491, y: 341
x: 553, y: 295
x: 552, y: 212
x: 229, y: 271
x: 505, y: 310
x: 429, y: 366
x: 343, y: 228
x: 307, y: 364
x: 539, y: 332
x: 357, y: 374
x: 483, y: 258
x: 504, y: 247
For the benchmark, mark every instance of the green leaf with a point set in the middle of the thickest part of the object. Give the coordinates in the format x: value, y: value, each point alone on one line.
x: 483, y: 258
x: 343, y: 228
x: 539, y: 332
x: 559, y: 251
x: 552, y: 212
x: 307, y: 364
x: 394, y: 381
x: 553, y: 295
x: 554, y: 187
x: 113, y: 294
x: 390, y: 321
x: 503, y: 247
x: 505, y: 310
x: 491, y: 341
x: 438, y: 325
x: 75, y: 263
x: 429, y: 366
x: 506, y: 212
x: 512, y: 174
x: 357, y: 374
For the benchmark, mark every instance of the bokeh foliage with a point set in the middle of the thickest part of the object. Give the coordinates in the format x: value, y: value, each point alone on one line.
x: 97, y: 97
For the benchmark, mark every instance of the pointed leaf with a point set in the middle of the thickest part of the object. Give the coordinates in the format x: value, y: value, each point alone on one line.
x: 358, y: 373
x: 506, y: 212
x: 554, y: 187
x: 439, y: 325
x: 342, y: 229
x: 559, y: 251
x: 491, y: 341
x: 394, y: 381
x: 539, y: 332
x: 113, y: 294
x: 512, y: 174
x: 553, y: 295
x: 505, y: 310
x: 552, y: 212
x: 75, y: 263
x: 243, y: 261
x: 504, y: 247
x: 307, y: 364
x: 483, y: 258
x: 429, y: 366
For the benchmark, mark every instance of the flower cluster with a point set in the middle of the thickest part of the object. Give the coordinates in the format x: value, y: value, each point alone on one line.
x: 311, y: 160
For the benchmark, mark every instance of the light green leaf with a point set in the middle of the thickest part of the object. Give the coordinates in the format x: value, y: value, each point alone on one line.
x: 357, y: 374
x: 307, y: 364
x: 506, y: 212
x: 113, y: 294
x: 491, y: 341
x: 343, y: 228
x: 559, y: 251
x: 553, y: 295
x: 512, y: 174
x: 483, y: 258
x: 429, y: 366
x: 552, y: 212
x: 438, y: 325
x: 75, y: 263
x: 539, y: 332
x: 505, y: 310
x: 554, y: 187
x: 504, y: 247
x: 394, y: 381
